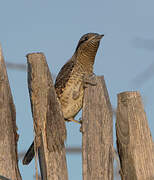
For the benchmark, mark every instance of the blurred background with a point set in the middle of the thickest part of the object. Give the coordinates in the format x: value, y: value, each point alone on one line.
x: 125, y: 56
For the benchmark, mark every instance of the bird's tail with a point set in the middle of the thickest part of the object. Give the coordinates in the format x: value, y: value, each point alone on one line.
x: 29, y: 155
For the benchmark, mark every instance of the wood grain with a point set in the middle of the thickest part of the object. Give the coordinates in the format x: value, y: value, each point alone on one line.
x: 134, y: 141
x: 97, y: 128
x: 8, y: 135
x: 49, y: 125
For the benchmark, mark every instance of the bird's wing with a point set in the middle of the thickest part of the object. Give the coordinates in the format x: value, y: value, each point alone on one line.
x: 63, y: 76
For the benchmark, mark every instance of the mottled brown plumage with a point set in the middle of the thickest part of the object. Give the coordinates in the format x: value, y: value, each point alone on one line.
x: 63, y: 77
x: 70, y: 81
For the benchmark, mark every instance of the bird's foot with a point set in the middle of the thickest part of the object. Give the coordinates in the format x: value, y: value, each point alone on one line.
x: 81, y: 128
x: 73, y: 120
x: 89, y: 80
x: 80, y: 120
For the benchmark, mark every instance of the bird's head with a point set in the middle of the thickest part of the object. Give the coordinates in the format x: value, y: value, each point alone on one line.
x: 89, y: 42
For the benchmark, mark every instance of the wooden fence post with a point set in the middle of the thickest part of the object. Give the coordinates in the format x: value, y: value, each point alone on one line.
x: 97, y: 128
x: 134, y: 141
x: 8, y: 135
x: 49, y: 125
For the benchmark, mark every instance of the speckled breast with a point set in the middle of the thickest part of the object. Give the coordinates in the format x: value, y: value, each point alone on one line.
x: 72, y: 97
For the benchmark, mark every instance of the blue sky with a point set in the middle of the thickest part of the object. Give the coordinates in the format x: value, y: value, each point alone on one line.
x: 54, y: 27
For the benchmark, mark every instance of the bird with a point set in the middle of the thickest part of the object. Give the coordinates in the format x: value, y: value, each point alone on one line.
x: 72, y: 79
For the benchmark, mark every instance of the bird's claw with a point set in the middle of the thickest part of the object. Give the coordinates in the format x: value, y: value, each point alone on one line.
x: 73, y: 120
x: 80, y: 120
x: 89, y: 80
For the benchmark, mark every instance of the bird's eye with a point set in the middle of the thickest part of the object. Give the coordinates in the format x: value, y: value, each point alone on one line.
x: 81, y: 42
x: 86, y: 38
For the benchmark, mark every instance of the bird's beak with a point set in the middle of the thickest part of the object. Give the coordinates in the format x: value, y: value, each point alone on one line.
x: 102, y: 35
x: 99, y: 37
x: 96, y: 37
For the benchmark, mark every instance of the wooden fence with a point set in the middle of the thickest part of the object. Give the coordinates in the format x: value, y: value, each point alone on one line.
x: 134, y: 142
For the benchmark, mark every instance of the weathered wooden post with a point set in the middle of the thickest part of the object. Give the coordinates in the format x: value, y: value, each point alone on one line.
x: 49, y: 125
x: 134, y: 141
x: 97, y: 128
x: 8, y: 135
